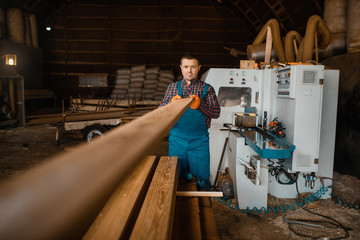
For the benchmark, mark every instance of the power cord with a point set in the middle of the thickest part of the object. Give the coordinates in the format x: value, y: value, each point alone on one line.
x: 317, y: 195
x: 302, y: 203
x: 337, y: 200
x: 315, y: 223
x: 274, y: 170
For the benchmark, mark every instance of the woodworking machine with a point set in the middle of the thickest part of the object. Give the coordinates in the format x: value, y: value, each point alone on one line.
x: 276, y: 130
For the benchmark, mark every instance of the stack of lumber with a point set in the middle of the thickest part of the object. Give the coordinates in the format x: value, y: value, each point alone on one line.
x: 142, y: 207
x: 86, y: 105
x: 121, y: 86
x: 146, y: 207
x: 85, y: 116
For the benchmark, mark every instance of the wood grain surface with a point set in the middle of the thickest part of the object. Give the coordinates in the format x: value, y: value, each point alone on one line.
x: 156, y: 216
x: 120, y: 212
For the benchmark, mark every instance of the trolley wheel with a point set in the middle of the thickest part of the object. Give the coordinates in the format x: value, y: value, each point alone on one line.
x: 93, y: 131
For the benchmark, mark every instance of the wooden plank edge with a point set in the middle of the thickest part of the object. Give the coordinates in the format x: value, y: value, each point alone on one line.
x: 118, y: 216
x: 198, y: 194
x: 207, y: 220
x: 155, y: 220
x: 186, y: 224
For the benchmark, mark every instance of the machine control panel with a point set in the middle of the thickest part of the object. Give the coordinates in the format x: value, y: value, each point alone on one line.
x: 283, y: 82
x: 241, y: 77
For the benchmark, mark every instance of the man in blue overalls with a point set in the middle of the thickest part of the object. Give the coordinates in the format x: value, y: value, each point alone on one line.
x: 189, y: 138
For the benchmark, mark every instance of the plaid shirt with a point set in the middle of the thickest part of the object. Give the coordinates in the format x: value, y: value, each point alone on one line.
x: 210, y: 107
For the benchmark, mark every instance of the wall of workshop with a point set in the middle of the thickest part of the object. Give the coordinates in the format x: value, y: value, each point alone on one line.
x: 347, y: 151
x: 103, y: 36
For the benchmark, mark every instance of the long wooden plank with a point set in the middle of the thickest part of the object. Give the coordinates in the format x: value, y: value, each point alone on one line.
x: 187, y: 219
x: 58, y: 199
x: 208, y: 225
x: 119, y: 213
x: 156, y: 216
x: 198, y: 194
x: 85, y: 116
x: 119, y: 103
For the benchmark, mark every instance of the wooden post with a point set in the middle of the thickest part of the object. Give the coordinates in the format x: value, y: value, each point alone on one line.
x: 12, y: 95
x: 268, y: 46
x: 59, y: 198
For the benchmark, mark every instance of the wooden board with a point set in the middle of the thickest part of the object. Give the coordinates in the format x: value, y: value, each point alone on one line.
x: 156, y: 216
x: 198, y: 194
x: 120, y: 211
x: 118, y: 103
x: 194, y: 218
x: 208, y: 225
x: 84, y: 116
x: 187, y: 219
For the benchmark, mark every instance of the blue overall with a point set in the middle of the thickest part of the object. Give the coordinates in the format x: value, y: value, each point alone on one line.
x: 189, y: 141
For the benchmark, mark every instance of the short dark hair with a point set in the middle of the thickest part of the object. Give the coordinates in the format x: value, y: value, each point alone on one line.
x: 189, y: 56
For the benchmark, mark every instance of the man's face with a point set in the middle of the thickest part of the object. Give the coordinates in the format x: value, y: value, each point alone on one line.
x: 190, y: 69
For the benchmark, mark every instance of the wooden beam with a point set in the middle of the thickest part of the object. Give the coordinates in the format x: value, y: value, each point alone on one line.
x: 84, y: 116
x: 198, y: 194
x: 187, y: 219
x: 208, y: 225
x: 156, y: 216
x: 194, y: 218
x: 119, y: 103
x: 59, y: 198
x: 121, y: 210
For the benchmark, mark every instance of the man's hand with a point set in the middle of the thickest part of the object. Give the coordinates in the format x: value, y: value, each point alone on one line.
x: 196, y: 103
x: 177, y: 97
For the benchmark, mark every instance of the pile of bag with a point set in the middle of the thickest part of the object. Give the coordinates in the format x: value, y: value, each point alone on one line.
x: 121, y: 85
x: 141, y: 83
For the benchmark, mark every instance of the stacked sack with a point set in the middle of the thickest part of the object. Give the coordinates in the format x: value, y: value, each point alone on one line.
x: 122, y: 80
x: 136, y: 82
x: 150, y: 84
x: 141, y: 84
x: 165, y: 78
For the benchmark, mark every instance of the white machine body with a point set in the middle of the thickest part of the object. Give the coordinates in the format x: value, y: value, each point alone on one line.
x: 304, y: 99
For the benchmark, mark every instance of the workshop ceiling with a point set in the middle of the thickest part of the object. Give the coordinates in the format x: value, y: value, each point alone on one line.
x: 291, y: 14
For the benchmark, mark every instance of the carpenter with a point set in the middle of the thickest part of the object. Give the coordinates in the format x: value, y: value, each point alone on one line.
x: 189, y: 138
